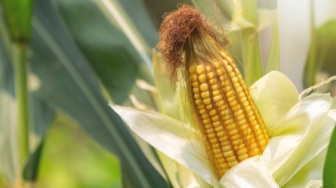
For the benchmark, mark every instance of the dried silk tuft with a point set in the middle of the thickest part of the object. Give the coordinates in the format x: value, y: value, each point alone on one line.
x: 176, y: 29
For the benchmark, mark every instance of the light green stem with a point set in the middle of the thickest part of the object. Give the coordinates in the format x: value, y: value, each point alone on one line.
x: 311, y: 67
x: 252, y: 60
x: 22, y: 100
x: 251, y: 56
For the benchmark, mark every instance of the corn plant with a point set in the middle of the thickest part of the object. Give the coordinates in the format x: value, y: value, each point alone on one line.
x: 63, y: 61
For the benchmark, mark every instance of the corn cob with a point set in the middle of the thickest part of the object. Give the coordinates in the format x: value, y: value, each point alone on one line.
x: 229, y: 122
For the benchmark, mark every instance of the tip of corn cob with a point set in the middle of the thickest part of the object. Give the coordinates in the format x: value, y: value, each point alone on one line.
x: 176, y: 29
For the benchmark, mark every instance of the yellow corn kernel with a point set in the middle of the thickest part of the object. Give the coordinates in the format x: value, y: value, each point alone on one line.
x: 233, y: 128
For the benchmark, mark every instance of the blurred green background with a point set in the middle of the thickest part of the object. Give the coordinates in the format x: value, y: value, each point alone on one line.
x: 72, y: 159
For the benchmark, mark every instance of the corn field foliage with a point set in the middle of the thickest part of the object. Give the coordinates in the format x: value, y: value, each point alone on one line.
x: 81, y: 55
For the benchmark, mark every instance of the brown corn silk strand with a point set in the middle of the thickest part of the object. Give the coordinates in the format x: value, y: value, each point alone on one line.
x: 221, y: 105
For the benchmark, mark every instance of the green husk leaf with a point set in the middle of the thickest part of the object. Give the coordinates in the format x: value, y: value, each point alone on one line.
x: 251, y: 56
x: 297, y: 149
x: 167, y: 99
x: 268, y: 95
x: 225, y: 9
x: 309, y: 116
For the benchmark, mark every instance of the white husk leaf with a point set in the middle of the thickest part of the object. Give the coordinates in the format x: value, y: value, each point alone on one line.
x: 171, y: 137
x: 300, y: 132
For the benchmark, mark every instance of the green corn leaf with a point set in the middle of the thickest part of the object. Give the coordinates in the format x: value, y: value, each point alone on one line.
x: 30, y: 171
x: 320, y: 62
x: 41, y: 117
x: 330, y: 163
x: 138, y: 17
x: 114, y: 47
x: 68, y: 83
